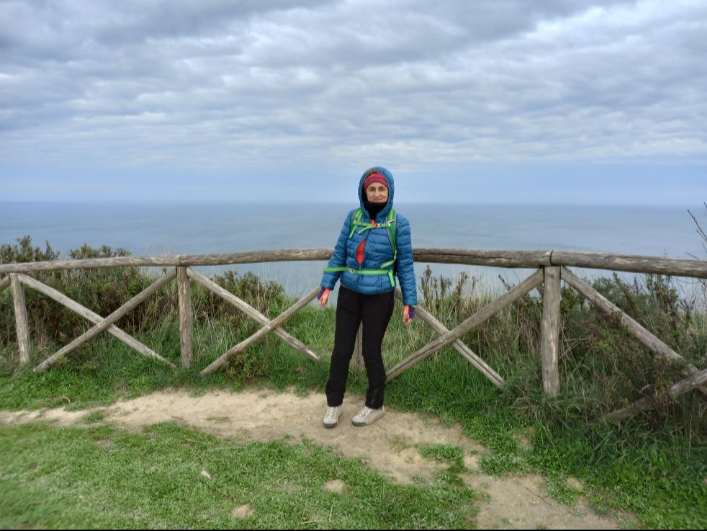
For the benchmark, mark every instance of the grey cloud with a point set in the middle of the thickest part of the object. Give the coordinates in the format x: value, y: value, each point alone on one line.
x: 220, y: 83
x: 392, y: 32
x: 167, y: 18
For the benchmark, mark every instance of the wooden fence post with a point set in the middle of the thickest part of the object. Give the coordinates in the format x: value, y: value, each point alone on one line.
x: 358, y: 349
x: 21, y: 323
x: 551, y: 331
x: 186, y: 339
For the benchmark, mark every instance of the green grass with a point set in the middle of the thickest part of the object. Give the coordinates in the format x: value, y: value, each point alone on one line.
x: 94, y: 417
x: 446, y: 453
x: 105, y: 477
x: 654, y: 465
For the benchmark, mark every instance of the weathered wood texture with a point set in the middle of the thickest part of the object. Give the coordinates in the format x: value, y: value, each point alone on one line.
x: 186, y: 338
x: 21, y: 322
x: 175, y: 260
x: 4, y: 283
x: 640, y: 333
x: 458, y: 345
x: 510, y: 259
x: 631, y: 263
x: 257, y: 257
x: 550, y: 343
x: 89, y: 263
x: 107, y: 322
x: 91, y: 316
x: 683, y: 386
x: 252, y: 313
x: 358, y: 350
x: 269, y: 327
x: 479, y: 317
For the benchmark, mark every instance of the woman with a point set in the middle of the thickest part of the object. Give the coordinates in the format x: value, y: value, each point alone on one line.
x: 374, y: 245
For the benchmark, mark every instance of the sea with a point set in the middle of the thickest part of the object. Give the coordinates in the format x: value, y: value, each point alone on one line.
x: 202, y: 228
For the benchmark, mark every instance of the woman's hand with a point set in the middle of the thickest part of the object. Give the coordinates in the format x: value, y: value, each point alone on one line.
x: 324, y: 297
x: 408, y: 315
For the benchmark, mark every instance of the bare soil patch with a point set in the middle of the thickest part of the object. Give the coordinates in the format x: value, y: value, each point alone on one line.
x: 242, y: 512
x: 335, y: 485
x: 388, y: 446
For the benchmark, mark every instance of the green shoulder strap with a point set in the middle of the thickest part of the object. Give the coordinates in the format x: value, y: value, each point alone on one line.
x: 355, y: 220
x: 391, y: 227
x: 388, y: 267
x: 392, y: 221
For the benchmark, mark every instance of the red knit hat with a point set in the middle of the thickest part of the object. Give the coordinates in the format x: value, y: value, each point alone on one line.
x: 374, y: 178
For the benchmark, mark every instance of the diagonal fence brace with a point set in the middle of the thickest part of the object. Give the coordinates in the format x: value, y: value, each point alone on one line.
x: 252, y: 312
x: 608, y: 308
x: 522, y: 289
x: 275, y: 323
x: 91, y: 316
x: 683, y: 386
x: 107, y: 322
x: 4, y: 283
x: 462, y: 348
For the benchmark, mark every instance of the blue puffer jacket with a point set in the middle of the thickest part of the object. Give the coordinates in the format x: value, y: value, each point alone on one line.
x: 378, y: 250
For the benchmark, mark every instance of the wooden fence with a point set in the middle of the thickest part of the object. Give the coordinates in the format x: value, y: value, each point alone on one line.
x: 552, y: 267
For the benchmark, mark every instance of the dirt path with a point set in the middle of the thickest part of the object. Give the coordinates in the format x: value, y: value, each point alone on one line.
x: 389, y: 446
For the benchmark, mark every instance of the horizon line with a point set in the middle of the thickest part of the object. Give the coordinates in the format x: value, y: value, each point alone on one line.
x: 311, y: 203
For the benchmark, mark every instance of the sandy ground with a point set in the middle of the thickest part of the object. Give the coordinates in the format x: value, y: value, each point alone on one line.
x: 388, y: 446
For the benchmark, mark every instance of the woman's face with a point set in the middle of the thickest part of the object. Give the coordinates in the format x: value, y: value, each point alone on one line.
x: 377, y: 193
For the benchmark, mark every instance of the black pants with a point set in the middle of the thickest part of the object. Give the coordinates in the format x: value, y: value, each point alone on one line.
x: 375, y: 312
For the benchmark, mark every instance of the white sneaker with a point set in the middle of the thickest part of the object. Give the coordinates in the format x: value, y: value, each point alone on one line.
x: 331, y: 417
x: 367, y: 416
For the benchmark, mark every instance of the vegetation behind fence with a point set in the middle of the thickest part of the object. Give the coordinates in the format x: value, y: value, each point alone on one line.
x: 594, y: 353
x: 658, y: 461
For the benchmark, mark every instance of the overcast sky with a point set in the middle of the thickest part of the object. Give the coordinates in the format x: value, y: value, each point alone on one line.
x: 488, y: 101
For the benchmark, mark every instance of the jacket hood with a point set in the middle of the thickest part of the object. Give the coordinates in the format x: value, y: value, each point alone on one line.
x: 391, y: 190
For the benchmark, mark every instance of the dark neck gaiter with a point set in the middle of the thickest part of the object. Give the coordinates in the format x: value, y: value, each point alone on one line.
x: 373, y: 208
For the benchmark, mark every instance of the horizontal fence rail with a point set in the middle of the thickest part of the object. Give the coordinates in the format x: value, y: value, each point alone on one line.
x: 508, y: 259
x: 551, y: 268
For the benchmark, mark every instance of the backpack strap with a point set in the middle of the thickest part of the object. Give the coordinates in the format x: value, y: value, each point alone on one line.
x: 356, y: 221
x: 391, y: 225
x: 388, y: 224
x: 387, y: 268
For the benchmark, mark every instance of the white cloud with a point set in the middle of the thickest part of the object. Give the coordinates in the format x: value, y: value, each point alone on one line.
x: 221, y: 83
